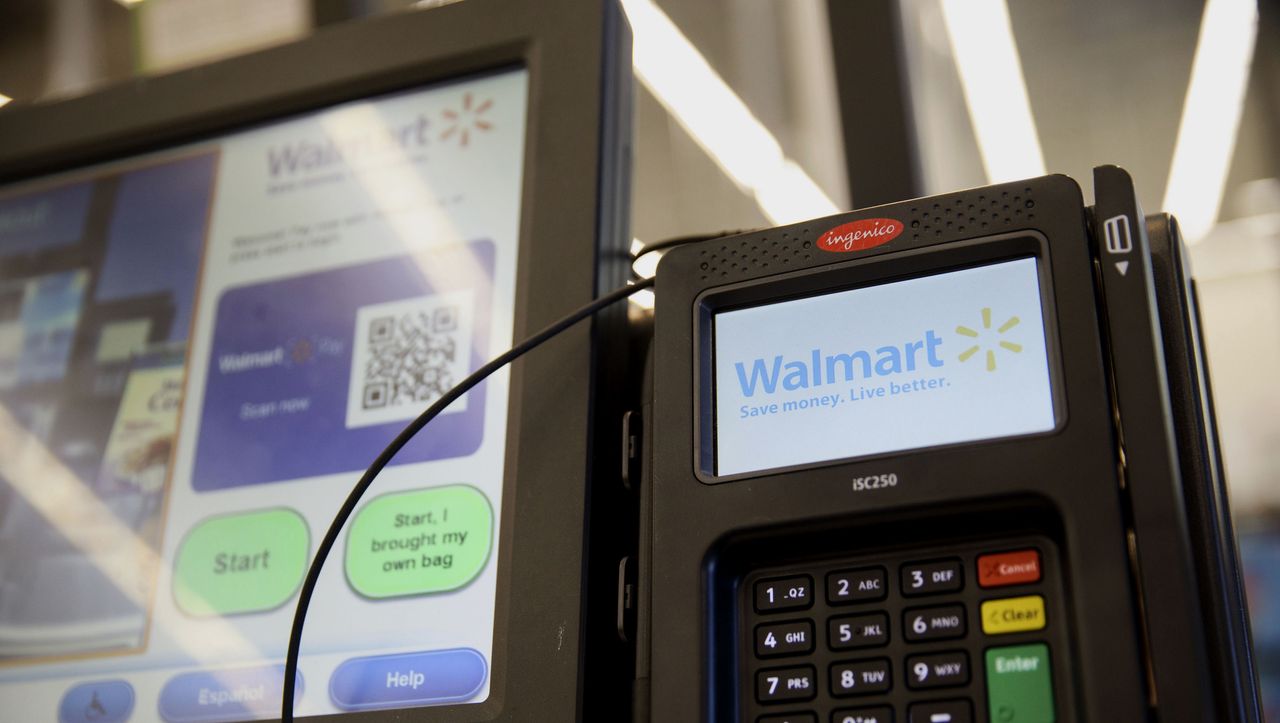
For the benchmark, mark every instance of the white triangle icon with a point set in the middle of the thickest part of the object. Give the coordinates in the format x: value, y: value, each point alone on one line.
x: 1123, y: 267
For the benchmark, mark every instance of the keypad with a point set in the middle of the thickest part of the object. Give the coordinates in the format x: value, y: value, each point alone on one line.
x: 939, y: 670
x: 861, y: 677
x: 848, y: 632
x: 877, y: 714
x: 788, y: 593
x: 942, y: 711
x: 942, y: 622
x: 776, y: 639
x: 932, y: 578
x: 1013, y: 615
x: 854, y: 586
x: 789, y: 718
x: 951, y: 634
x: 781, y: 684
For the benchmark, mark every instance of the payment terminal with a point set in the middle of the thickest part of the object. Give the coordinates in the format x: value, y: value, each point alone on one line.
x: 940, y: 461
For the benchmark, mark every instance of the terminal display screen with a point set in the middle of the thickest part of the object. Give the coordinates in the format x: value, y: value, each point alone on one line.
x: 954, y: 357
x: 201, y: 350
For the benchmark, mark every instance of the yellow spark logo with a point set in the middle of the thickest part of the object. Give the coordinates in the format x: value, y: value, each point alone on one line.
x: 986, y: 326
x: 467, y: 120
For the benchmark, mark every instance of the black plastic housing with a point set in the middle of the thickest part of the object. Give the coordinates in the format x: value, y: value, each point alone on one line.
x: 1131, y: 566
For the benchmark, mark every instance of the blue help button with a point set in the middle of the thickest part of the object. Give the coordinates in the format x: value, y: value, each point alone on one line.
x: 408, y: 679
x: 225, y: 695
x: 102, y: 701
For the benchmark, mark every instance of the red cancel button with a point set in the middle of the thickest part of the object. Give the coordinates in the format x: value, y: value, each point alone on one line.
x: 1009, y: 568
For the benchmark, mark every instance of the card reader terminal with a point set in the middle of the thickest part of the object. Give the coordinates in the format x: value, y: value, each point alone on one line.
x: 945, y: 460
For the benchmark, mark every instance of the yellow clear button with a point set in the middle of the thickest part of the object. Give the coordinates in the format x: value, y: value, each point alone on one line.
x: 1013, y: 615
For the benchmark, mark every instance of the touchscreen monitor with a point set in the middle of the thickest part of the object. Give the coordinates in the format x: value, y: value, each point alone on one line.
x: 954, y: 357
x: 200, y: 351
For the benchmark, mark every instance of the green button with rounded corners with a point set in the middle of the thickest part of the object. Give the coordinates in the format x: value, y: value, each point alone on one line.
x: 419, y: 542
x: 1020, y: 684
x: 241, y: 563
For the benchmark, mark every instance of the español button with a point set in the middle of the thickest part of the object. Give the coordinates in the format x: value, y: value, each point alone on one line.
x: 1013, y: 615
x: 234, y: 694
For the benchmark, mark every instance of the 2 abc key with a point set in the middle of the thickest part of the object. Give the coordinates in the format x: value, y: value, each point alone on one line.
x: 867, y: 584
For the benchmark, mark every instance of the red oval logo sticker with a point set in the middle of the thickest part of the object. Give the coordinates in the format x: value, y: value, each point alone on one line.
x: 860, y: 235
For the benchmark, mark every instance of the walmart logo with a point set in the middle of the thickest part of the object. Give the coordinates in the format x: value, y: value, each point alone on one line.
x: 987, y: 340
x: 821, y: 368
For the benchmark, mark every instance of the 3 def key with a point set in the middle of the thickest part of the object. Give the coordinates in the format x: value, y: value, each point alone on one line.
x: 930, y: 578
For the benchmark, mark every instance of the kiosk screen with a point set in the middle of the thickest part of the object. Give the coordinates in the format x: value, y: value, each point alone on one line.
x: 200, y: 351
x: 953, y: 357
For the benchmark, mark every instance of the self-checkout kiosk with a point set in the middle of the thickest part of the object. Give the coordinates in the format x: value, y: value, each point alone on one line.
x: 951, y: 459
x: 223, y: 290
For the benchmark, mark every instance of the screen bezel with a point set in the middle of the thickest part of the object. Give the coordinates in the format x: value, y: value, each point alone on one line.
x: 877, y: 271
x: 577, y: 59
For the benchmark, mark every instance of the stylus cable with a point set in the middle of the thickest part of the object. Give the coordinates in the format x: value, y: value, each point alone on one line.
x: 384, y: 457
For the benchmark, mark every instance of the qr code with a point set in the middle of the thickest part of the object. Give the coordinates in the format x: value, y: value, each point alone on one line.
x: 407, y: 355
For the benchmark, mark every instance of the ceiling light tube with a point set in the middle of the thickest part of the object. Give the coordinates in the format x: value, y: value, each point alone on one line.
x: 717, y: 119
x: 995, y: 91
x: 1211, y: 115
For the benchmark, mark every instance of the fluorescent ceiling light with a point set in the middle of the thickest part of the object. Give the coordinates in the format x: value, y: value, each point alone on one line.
x: 986, y: 57
x: 717, y: 119
x: 644, y: 299
x: 644, y: 266
x: 647, y: 265
x: 1211, y: 115
x: 4, y: 99
x: 788, y: 195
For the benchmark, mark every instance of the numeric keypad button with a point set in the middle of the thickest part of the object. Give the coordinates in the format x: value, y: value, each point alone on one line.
x: 938, y: 670
x: 942, y: 622
x: 932, y: 578
x: 875, y: 714
x: 861, y: 677
x: 867, y: 584
x: 788, y: 718
x: 785, y: 593
x: 942, y: 711
x: 789, y: 638
x: 858, y: 631
x: 781, y: 684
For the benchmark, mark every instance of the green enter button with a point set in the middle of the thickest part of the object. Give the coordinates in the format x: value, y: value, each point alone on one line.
x: 241, y: 563
x: 1019, y: 684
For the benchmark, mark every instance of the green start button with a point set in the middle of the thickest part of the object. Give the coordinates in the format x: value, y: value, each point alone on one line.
x: 1020, y: 684
x: 241, y: 563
